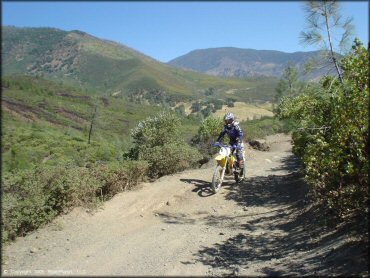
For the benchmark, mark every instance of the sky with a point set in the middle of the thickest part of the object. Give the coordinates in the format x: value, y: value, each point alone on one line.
x: 166, y: 30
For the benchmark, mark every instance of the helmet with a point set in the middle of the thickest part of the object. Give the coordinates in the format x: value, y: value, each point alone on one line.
x: 229, y: 118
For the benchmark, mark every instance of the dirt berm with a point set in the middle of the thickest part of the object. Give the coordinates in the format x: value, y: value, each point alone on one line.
x: 176, y: 226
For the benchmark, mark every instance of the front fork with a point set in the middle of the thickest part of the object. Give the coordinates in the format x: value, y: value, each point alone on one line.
x: 226, y: 162
x: 222, y: 174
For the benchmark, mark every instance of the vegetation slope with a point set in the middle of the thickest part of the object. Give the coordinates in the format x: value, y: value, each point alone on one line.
x: 107, y: 67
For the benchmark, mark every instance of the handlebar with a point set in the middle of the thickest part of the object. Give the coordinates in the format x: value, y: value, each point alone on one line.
x: 218, y: 144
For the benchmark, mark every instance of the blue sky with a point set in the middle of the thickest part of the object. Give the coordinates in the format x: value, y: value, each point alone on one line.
x: 166, y: 30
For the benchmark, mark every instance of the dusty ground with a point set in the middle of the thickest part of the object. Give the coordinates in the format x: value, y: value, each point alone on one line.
x: 176, y: 226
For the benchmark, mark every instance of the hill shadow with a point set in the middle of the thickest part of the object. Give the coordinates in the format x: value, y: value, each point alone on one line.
x: 292, y: 236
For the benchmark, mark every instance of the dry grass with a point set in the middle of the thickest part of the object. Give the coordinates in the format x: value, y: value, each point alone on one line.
x: 245, y: 111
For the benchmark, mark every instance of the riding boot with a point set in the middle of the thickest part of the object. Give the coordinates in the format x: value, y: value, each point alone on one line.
x: 241, y: 167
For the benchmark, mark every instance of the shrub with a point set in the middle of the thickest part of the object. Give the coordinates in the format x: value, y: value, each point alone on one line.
x: 333, y: 136
x: 34, y: 197
x: 210, y: 129
x: 118, y: 177
x: 156, y: 131
x: 157, y: 140
x: 170, y: 158
x: 208, y: 132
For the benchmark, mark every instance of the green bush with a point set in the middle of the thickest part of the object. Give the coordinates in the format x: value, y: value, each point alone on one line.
x: 210, y: 129
x: 118, y: 177
x: 333, y: 136
x: 157, y: 140
x: 157, y: 131
x: 34, y: 197
x: 170, y: 158
x: 208, y: 132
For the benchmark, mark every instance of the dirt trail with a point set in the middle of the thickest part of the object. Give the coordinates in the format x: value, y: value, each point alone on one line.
x: 176, y: 226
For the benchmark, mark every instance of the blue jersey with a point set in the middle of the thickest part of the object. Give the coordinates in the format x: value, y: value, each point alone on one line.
x: 234, y: 132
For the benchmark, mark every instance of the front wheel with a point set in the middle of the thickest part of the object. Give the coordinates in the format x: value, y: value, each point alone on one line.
x: 217, y: 178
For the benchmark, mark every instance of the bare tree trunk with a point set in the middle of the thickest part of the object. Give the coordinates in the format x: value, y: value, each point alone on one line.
x: 331, y: 47
x: 92, y: 122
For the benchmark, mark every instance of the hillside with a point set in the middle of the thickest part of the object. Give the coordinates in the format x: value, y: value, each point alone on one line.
x: 241, y: 63
x: 67, y: 136
x: 106, y: 67
x: 46, y: 122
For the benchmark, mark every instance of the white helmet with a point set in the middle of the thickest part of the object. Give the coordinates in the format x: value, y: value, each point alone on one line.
x: 229, y: 118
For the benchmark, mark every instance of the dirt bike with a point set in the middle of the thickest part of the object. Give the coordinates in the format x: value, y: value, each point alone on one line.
x: 226, y: 165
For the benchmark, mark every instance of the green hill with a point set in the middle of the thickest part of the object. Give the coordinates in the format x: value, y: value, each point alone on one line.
x: 45, y: 121
x: 106, y: 67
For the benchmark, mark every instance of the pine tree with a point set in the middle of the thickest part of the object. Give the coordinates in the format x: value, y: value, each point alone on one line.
x: 288, y: 84
x: 323, y: 20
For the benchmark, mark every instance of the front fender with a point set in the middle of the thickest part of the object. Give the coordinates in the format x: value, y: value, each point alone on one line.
x: 221, y: 160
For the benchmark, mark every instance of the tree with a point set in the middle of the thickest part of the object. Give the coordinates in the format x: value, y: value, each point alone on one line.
x: 323, y: 19
x: 206, y: 111
x: 291, y: 76
x: 180, y: 110
x: 210, y: 91
x: 230, y: 102
x: 218, y: 104
x: 288, y: 82
x: 195, y: 107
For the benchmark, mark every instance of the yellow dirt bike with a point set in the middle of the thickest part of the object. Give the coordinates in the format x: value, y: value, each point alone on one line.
x: 226, y: 165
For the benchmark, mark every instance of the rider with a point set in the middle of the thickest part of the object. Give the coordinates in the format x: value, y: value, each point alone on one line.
x: 235, y: 134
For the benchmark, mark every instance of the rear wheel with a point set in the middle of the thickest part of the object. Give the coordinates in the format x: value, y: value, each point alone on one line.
x: 217, y: 179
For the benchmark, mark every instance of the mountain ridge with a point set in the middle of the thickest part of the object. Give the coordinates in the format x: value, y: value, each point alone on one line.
x: 246, y: 62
